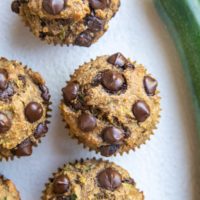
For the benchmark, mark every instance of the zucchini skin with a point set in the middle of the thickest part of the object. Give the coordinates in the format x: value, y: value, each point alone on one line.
x: 182, y: 18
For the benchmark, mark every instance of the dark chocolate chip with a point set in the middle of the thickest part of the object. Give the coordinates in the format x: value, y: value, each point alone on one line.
x: 45, y: 92
x: 24, y: 149
x: 5, y: 123
x: 98, y: 4
x: 109, y: 150
x: 3, y: 80
x: 129, y: 65
x: 53, y: 7
x: 97, y: 80
x: 43, y: 23
x: 150, y: 85
x: 33, y: 112
x: 112, y: 80
x: 70, y: 92
x: 141, y: 111
x: 7, y: 93
x: 86, y: 122
x: 129, y: 181
x: 40, y: 130
x: 84, y: 39
x: 61, y: 184
x: 42, y: 35
x: 15, y: 6
x: 109, y: 179
x: 112, y: 135
x: 94, y: 23
x: 117, y: 59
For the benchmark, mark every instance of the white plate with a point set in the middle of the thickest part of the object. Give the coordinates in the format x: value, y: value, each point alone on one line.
x: 167, y: 167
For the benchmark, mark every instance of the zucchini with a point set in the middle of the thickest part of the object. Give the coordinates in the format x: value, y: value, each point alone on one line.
x: 182, y: 18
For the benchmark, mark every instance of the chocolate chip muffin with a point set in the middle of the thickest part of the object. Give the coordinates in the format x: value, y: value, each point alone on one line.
x: 91, y: 180
x: 76, y: 22
x: 24, y: 107
x: 111, y: 105
x: 8, y: 190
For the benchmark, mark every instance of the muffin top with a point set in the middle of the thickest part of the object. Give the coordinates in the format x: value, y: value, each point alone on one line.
x: 92, y: 180
x: 77, y: 22
x: 73, y: 9
x: 8, y: 190
x: 111, y: 104
x: 24, y: 101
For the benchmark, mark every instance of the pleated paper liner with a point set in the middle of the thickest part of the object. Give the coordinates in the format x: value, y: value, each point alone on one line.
x: 8, y: 154
x: 46, y: 192
x: 3, y: 181
x: 141, y: 141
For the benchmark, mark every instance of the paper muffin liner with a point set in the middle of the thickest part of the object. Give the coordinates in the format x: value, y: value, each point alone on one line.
x: 138, y: 146
x: 82, y: 160
x: 97, y: 36
x: 5, y: 179
x: 47, y: 116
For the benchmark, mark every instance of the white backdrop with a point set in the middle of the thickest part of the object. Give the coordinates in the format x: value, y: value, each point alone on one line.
x: 167, y: 167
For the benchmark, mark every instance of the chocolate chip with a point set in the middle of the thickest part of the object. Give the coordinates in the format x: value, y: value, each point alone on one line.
x: 7, y: 93
x: 40, y: 130
x: 61, y: 184
x: 42, y: 35
x: 150, y: 85
x: 94, y: 23
x: 141, y: 111
x: 53, y: 7
x: 33, y: 112
x: 109, y: 150
x: 5, y: 123
x: 98, y: 4
x: 112, y: 80
x: 109, y: 179
x: 24, y: 149
x: 112, y: 135
x: 128, y: 65
x: 70, y: 92
x: 84, y: 39
x: 45, y: 92
x: 3, y: 80
x: 117, y: 59
x: 129, y: 181
x: 15, y: 6
x: 86, y: 122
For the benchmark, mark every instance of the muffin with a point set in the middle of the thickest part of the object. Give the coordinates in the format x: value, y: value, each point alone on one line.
x: 111, y: 105
x: 8, y: 190
x: 24, y: 107
x: 91, y: 180
x: 75, y: 22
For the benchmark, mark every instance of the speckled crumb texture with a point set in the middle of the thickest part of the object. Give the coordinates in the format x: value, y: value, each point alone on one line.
x: 24, y: 108
x: 8, y: 190
x: 111, y: 105
x: 76, y: 22
x: 91, y: 180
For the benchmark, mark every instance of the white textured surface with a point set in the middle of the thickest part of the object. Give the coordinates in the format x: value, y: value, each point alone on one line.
x: 167, y: 167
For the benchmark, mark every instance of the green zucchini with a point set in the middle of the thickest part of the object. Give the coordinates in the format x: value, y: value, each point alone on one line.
x: 182, y: 18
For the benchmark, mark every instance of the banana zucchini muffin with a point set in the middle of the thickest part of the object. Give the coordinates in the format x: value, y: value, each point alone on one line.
x: 24, y: 106
x: 76, y: 22
x: 91, y: 180
x: 111, y: 105
x: 8, y: 190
